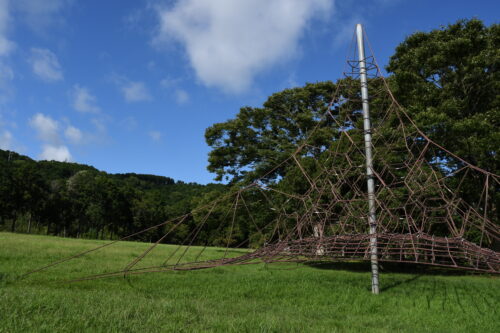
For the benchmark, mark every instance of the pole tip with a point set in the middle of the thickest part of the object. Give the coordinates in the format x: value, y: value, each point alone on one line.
x: 359, y: 29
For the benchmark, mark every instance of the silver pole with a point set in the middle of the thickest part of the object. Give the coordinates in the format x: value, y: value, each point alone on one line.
x: 372, y: 221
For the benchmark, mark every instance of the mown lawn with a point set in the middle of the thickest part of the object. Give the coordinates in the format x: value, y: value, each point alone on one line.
x: 252, y: 298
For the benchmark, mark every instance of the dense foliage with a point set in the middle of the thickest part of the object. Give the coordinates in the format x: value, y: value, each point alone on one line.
x: 76, y: 200
x: 260, y: 138
x: 449, y: 81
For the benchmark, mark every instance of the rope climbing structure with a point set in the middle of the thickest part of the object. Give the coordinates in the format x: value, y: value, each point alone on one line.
x: 315, y: 204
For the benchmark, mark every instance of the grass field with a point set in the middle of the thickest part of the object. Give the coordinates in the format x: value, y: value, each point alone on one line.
x: 253, y: 298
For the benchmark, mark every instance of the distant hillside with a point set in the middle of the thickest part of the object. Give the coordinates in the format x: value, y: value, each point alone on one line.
x: 77, y: 200
x: 48, y: 169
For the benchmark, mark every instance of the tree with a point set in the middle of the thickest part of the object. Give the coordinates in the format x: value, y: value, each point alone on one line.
x: 75, y: 200
x: 449, y: 83
x: 26, y: 191
x: 446, y: 79
x: 260, y: 138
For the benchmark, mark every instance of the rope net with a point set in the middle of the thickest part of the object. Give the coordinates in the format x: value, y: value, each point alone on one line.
x: 313, y: 205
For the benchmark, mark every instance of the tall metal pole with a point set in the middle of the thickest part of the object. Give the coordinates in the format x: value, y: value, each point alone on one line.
x: 372, y: 220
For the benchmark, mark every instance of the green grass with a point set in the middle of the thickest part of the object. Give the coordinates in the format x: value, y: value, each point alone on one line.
x: 252, y: 298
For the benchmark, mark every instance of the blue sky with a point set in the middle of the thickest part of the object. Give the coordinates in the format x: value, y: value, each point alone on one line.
x: 131, y: 85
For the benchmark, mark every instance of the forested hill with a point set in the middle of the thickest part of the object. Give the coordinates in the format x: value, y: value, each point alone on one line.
x: 77, y: 200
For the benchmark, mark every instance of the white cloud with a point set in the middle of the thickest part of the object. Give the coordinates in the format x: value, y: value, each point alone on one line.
x: 45, y: 65
x: 100, y: 124
x: 55, y: 153
x: 169, y: 82
x: 40, y: 14
x: 135, y: 91
x: 6, y: 72
x: 83, y: 101
x: 37, y: 14
x: 136, y: 18
x: 181, y: 96
x: 228, y: 42
x: 6, y: 45
x: 155, y: 135
x: 6, y: 140
x: 73, y: 134
x: 46, y: 128
x: 344, y: 33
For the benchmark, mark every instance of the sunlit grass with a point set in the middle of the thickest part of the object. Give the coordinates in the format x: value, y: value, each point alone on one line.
x: 256, y: 298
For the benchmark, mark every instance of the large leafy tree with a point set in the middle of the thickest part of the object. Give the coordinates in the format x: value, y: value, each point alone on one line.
x: 260, y: 138
x: 448, y: 79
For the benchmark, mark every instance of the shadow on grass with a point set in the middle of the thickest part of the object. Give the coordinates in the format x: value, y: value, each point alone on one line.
x: 391, y: 267
x: 232, y: 251
x: 416, y: 270
x: 400, y: 282
x: 7, y: 279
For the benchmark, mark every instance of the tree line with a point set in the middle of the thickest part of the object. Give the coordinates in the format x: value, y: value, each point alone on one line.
x: 76, y: 200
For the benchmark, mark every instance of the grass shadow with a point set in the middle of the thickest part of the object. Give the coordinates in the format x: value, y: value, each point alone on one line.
x: 232, y: 251
x: 7, y: 279
x: 391, y: 267
x: 400, y: 282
